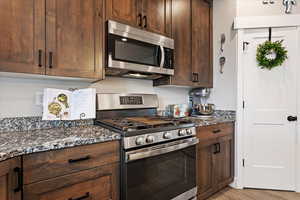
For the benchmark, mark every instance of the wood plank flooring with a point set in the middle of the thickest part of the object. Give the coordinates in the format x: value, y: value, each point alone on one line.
x: 250, y: 194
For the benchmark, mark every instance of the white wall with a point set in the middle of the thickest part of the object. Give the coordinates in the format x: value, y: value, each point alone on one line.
x: 257, y: 8
x: 17, y: 95
x: 225, y: 87
x: 224, y: 92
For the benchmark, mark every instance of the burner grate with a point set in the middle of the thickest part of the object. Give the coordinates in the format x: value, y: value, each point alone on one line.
x: 142, y: 123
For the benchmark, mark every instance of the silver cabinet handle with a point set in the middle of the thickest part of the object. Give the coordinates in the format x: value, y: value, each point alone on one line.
x: 163, y: 56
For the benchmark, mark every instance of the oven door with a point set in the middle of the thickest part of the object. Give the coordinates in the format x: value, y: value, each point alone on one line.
x: 162, y: 172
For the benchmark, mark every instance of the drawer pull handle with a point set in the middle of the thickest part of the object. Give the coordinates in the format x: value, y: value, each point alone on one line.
x: 18, y: 171
x: 87, y: 195
x: 79, y: 159
x: 40, y: 57
x: 217, y: 148
x: 216, y: 131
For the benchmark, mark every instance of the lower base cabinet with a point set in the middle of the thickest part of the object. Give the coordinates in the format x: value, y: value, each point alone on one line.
x: 95, y: 184
x: 89, y: 172
x: 10, y: 182
x: 215, y: 155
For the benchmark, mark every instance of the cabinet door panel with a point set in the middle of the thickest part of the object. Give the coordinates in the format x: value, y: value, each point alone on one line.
x: 223, y: 162
x: 96, y: 184
x: 202, y: 42
x: 181, y: 31
x: 158, y: 14
x: 22, y: 35
x: 125, y: 11
x: 74, y: 35
x: 205, y: 168
x: 9, y: 180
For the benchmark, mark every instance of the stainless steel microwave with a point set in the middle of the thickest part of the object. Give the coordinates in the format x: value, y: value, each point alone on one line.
x: 135, y: 53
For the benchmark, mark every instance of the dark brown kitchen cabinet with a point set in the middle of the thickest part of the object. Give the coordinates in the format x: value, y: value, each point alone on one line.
x: 181, y: 32
x: 125, y: 11
x: 157, y: 16
x: 202, y: 43
x: 151, y: 15
x: 192, y: 32
x: 85, y: 172
x: 22, y: 36
x: 215, y: 158
x: 52, y: 37
x: 10, y: 182
x: 95, y: 184
x: 74, y: 38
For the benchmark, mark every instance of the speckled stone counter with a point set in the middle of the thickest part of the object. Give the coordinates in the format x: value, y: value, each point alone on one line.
x: 220, y: 116
x: 60, y: 135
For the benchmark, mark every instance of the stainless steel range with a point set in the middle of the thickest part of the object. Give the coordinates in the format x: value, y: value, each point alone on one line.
x: 158, y: 154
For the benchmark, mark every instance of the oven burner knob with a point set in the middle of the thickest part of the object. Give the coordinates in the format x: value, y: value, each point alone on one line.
x: 139, y: 141
x: 182, y: 132
x: 189, y: 131
x: 150, y: 139
x: 167, y: 135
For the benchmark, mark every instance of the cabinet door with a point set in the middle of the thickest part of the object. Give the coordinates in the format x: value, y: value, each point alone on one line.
x: 205, y: 168
x: 125, y: 11
x: 96, y: 184
x: 202, y: 59
x: 157, y: 16
x: 181, y: 32
x: 10, y: 188
x: 74, y: 38
x: 224, y: 162
x: 22, y: 36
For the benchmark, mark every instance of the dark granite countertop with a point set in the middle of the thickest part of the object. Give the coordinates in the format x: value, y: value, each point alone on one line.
x: 18, y: 143
x: 217, y: 118
x: 21, y: 136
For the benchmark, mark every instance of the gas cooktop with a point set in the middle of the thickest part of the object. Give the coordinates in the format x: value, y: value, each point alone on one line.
x: 143, y: 123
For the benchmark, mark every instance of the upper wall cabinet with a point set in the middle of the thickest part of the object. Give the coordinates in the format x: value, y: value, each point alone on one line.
x: 125, y: 11
x: 52, y: 37
x: 202, y: 43
x: 22, y: 36
x: 74, y: 38
x: 151, y: 15
x: 192, y: 31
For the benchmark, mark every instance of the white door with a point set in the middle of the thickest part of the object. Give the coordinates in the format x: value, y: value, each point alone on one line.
x: 270, y: 97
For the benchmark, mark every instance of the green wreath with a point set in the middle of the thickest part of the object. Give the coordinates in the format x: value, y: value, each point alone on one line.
x: 271, y: 54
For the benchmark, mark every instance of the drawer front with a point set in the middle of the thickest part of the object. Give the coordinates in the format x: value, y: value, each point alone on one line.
x: 215, y: 131
x: 95, y: 184
x: 46, y: 165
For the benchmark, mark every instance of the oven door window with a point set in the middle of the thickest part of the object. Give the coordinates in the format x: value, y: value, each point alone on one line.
x: 133, y: 51
x: 162, y: 177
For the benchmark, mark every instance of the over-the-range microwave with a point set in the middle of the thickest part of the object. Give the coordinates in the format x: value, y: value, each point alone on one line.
x: 136, y: 53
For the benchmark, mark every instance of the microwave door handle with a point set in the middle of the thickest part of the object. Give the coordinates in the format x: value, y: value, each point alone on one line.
x: 162, y: 61
x: 159, y: 151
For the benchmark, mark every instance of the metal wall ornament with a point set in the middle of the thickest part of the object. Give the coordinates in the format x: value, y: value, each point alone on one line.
x: 289, y: 5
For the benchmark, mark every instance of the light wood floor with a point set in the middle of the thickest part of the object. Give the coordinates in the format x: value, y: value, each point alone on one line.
x: 249, y: 194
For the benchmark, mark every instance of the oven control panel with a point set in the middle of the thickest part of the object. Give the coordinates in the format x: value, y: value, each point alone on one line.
x: 158, y: 137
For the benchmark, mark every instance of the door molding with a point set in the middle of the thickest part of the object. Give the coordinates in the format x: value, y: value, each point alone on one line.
x: 266, y: 21
x: 240, y: 137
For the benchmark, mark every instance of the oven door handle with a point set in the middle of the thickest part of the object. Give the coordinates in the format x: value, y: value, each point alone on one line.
x: 145, y: 154
x: 163, y: 56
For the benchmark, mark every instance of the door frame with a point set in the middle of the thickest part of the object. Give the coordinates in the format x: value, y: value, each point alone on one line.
x: 241, y: 24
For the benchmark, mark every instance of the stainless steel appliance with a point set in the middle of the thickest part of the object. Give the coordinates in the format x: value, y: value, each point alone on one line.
x: 199, y: 104
x: 135, y: 53
x: 158, y: 154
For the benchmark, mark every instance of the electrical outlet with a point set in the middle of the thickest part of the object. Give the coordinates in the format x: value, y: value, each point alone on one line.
x: 39, y: 96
